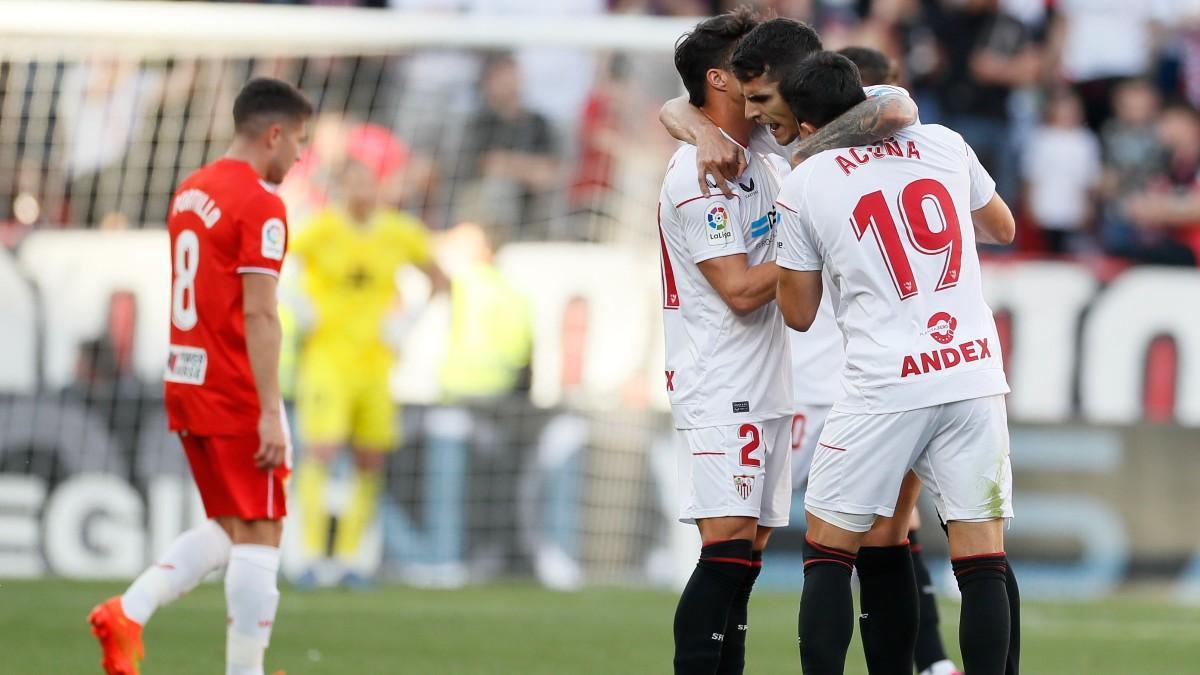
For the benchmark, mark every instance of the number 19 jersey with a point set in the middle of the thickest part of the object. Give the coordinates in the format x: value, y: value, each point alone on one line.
x: 891, y: 224
x: 721, y: 368
x: 224, y: 222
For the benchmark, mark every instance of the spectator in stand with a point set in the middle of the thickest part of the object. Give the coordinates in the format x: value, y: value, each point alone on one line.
x: 510, y: 155
x: 1167, y: 214
x: 1062, y: 171
x: 102, y: 106
x: 986, y: 54
x: 490, y: 345
x: 600, y: 138
x: 1102, y: 42
x: 1133, y: 153
x: 874, y: 67
x: 1133, y: 156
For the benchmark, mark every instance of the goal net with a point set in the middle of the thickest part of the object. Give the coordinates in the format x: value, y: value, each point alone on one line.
x: 542, y: 129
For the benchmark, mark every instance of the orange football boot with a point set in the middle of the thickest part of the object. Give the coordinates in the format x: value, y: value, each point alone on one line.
x: 120, y: 638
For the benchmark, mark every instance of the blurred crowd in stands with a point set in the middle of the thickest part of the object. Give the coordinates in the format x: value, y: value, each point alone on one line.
x: 1085, y: 111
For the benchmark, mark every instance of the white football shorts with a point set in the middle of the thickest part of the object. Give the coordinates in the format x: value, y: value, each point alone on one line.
x: 737, y: 470
x: 807, y: 423
x: 959, y: 451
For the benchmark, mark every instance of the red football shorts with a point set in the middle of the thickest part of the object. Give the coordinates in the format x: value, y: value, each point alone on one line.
x: 230, y: 484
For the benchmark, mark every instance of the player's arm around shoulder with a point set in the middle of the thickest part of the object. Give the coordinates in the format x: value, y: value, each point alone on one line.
x: 871, y: 121
x: 716, y: 155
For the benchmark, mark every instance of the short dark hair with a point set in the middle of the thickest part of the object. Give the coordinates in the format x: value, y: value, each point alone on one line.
x: 263, y: 98
x: 774, y: 48
x: 822, y: 87
x: 874, y: 67
x: 709, y: 45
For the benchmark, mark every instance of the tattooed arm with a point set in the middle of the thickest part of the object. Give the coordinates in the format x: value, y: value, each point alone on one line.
x: 872, y: 120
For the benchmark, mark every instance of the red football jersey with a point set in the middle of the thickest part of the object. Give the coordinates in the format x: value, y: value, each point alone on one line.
x: 224, y: 222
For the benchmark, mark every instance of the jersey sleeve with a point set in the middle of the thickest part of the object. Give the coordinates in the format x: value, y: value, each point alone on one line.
x: 710, y: 227
x: 797, y: 247
x: 882, y: 89
x: 264, y: 236
x: 983, y: 186
x: 876, y: 90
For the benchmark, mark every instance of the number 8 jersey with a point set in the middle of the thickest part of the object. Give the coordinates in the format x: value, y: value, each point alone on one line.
x: 224, y: 222
x: 891, y: 223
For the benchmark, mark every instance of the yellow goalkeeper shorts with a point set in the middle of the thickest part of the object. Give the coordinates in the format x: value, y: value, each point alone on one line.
x: 340, y: 401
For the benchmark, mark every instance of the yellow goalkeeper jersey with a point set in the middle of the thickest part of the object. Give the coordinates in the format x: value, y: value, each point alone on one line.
x: 350, y: 274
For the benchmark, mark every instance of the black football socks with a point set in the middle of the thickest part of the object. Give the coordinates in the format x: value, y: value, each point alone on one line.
x: 826, y: 610
x: 1014, y: 620
x: 704, y: 607
x: 889, y: 615
x: 930, y: 649
x: 983, y: 629
x: 733, y: 653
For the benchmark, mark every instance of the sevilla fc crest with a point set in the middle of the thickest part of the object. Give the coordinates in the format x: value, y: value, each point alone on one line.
x: 744, y: 484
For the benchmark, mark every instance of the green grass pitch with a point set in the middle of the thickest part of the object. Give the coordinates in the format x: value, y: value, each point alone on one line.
x: 525, y: 630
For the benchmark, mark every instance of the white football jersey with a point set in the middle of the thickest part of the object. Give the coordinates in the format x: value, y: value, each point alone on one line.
x: 890, y: 224
x: 721, y: 368
x: 818, y: 355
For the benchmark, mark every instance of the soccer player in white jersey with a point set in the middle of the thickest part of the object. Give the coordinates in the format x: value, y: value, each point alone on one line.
x: 886, y: 110
x: 725, y: 341
x: 890, y: 225
x: 875, y: 69
x: 886, y: 568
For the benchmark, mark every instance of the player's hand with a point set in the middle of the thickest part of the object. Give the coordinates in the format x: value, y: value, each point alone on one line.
x: 720, y: 158
x: 272, y: 443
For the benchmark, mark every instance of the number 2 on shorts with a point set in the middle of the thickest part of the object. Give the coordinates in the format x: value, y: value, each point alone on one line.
x: 750, y: 431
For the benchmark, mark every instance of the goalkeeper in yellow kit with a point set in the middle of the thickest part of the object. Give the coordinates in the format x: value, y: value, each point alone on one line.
x: 350, y: 253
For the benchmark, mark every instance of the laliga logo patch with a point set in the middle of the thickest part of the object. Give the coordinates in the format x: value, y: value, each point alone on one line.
x: 744, y: 484
x: 941, y: 327
x: 717, y: 219
x: 273, y: 239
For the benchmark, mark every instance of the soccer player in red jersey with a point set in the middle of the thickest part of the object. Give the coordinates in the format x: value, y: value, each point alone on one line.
x: 228, y: 237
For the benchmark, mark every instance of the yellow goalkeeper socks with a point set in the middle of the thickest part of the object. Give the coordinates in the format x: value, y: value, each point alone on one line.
x: 312, y: 477
x: 353, y: 522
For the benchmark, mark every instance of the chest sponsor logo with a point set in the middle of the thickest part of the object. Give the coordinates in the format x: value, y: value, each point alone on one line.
x: 186, y: 365
x: 741, y: 406
x: 744, y: 484
x: 748, y: 186
x: 720, y: 231
x: 945, y: 358
x: 764, y: 225
x: 273, y: 237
